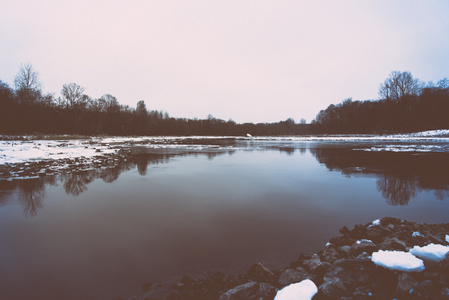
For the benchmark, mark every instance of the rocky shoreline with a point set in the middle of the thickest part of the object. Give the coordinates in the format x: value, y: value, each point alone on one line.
x: 344, y: 269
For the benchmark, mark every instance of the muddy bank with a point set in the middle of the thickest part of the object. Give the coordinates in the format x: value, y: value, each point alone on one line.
x: 344, y: 269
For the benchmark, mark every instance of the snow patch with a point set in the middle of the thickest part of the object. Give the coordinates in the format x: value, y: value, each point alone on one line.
x: 447, y: 238
x: 363, y: 240
x: 375, y: 223
x: 416, y: 233
x: 398, y: 260
x: 433, y: 252
x: 304, y: 290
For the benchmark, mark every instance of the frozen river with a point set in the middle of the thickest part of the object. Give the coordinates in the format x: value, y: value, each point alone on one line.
x: 179, y: 206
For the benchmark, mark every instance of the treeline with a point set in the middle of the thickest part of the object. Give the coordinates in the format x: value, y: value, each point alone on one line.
x: 406, y: 105
x: 27, y: 110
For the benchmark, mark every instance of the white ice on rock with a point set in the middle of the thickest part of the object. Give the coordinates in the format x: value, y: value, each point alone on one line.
x: 375, y: 223
x: 398, y: 260
x: 417, y: 233
x: 447, y: 238
x: 433, y: 252
x: 304, y: 290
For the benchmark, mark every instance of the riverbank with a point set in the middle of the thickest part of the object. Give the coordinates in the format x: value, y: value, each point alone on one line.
x: 371, y: 261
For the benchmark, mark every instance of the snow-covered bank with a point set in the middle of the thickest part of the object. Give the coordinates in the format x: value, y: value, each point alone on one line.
x: 28, y: 149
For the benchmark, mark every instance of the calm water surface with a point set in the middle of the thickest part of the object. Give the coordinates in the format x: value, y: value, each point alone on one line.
x: 101, y: 234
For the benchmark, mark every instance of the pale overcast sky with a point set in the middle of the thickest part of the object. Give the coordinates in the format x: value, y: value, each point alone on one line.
x: 250, y: 61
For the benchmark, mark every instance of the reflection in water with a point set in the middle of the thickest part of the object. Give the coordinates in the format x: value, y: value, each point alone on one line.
x: 31, y: 195
x: 31, y: 192
x: 397, y: 191
x: 400, y: 175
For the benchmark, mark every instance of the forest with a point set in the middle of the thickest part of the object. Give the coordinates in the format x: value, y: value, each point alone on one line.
x: 405, y: 105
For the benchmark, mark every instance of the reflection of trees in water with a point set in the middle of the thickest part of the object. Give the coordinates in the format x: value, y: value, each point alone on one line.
x: 32, y: 191
x: 31, y: 195
x: 76, y: 183
x: 397, y: 191
x: 400, y: 175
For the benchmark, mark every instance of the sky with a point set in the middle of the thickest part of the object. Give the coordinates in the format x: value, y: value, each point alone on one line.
x: 249, y: 61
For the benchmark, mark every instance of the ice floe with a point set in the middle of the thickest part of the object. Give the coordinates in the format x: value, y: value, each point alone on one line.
x: 304, y: 290
x: 398, y: 260
x: 433, y: 252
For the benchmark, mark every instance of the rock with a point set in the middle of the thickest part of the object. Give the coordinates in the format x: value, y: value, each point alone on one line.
x: 392, y: 243
x: 344, y: 230
x: 315, y: 265
x: 425, y: 290
x: 339, y: 241
x: 388, y: 220
x: 344, y: 251
x: 347, y: 276
x: 249, y: 291
x: 363, y: 246
x: 376, y: 233
x: 330, y: 254
x: 293, y: 275
x: 444, y: 265
x: 406, y: 282
x: 260, y: 273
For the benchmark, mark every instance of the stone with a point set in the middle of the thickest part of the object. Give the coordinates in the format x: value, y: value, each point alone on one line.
x: 260, y: 273
x: 346, y: 276
x: 249, y: 291
x: 406, y: 282
x: 330, y: 254
x: 315, y: 265
x: 425, y: 290
x: 376, y: 233
x: 290, y: 276
x: 363, y: 246
x: 392, y: 243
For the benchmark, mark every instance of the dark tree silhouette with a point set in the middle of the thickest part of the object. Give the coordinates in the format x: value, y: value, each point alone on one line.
x: 399, y: 85
x: 27, y: 84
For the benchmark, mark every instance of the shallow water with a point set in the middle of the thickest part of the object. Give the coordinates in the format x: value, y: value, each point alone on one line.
x: 101, y: 234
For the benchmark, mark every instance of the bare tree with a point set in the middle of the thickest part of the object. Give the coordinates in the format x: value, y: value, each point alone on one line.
x: 399, y: 85
x: 27, y: 84
x: 73, y: 95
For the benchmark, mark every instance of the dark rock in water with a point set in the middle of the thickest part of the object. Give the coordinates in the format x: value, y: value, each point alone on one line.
x: 260, y: 273
x: 347, y: 276
x: 342, y: 240
x: 316, y: 266
x: 444, y: 265
x: 249, y: 291
x: 389, y: 220
x: 330, y: 254
x: 406, y: 283
x: 425, y: 290
x: 376, y: 233
x: 290, y: 276
x: 363, y: 246
x: 393, y: 243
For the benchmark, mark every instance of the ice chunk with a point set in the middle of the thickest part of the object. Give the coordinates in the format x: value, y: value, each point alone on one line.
x: 363, y: 240
x: 430, y: 252
x: 375, y: 222
x: 304, y: 290
x: 398, y: 260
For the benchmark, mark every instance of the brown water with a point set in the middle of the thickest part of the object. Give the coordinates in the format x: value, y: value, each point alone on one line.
x: 103, y: 233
